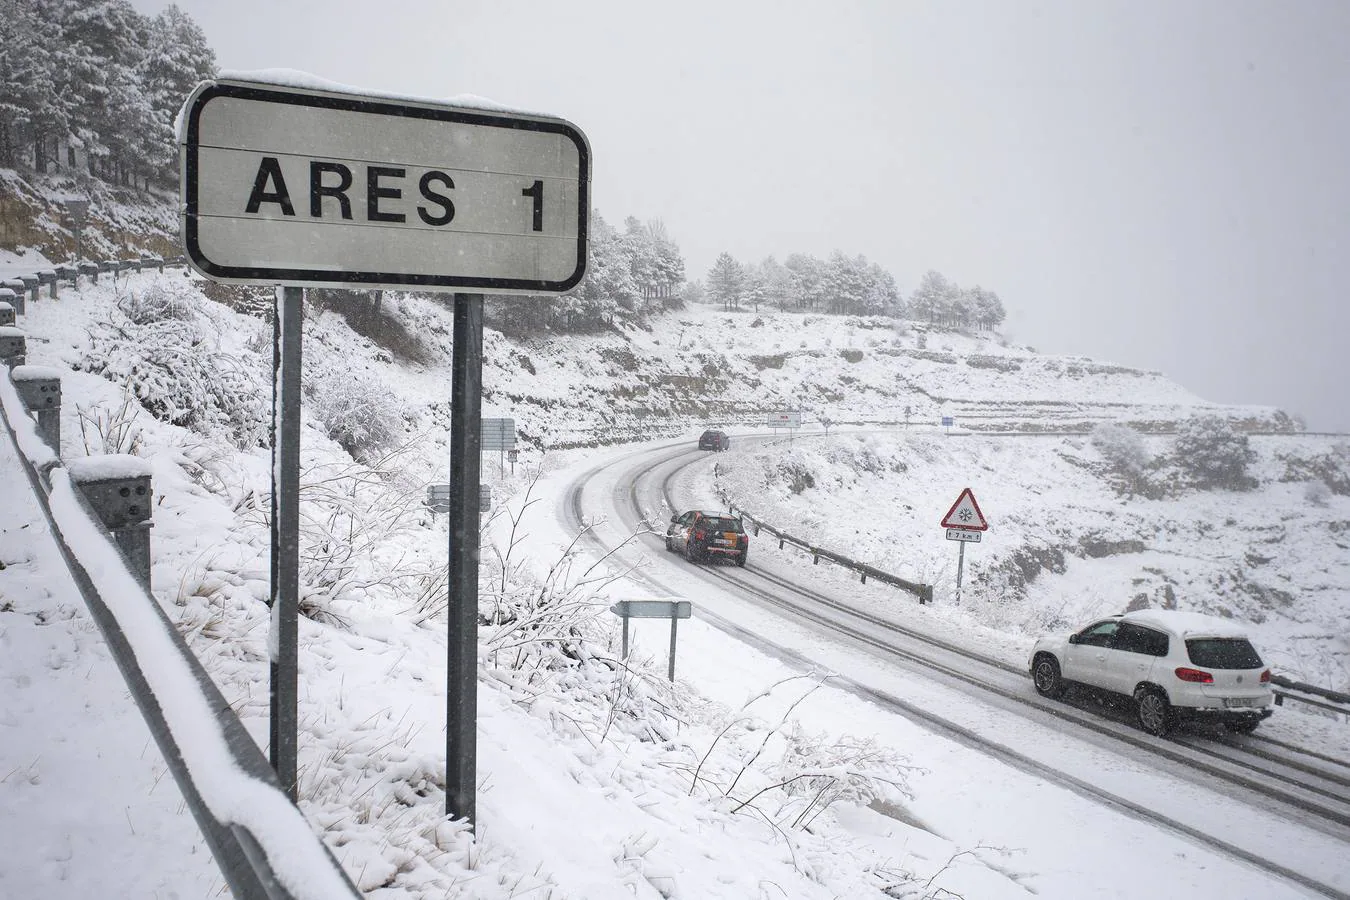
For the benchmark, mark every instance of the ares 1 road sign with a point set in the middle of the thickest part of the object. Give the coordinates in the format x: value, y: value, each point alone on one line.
x: 965, y: 514
x: 299, y: 186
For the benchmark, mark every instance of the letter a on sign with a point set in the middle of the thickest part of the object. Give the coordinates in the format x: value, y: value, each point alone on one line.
x: 965, y: 513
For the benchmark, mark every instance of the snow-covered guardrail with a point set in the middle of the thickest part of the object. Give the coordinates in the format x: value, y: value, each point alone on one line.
x: 264, y: 847
x: 1299, y: 691
x: 923, y: 591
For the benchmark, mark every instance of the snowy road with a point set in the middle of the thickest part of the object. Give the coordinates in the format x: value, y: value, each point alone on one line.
x: 1298, y: 834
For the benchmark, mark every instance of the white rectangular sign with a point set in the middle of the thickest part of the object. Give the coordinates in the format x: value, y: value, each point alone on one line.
x: 498, y: 434
x: 792, y: 419
x: 283, y: 185
x: 961, y: 534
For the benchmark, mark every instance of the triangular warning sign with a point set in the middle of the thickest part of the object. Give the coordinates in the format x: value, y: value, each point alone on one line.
x: 965, y: 513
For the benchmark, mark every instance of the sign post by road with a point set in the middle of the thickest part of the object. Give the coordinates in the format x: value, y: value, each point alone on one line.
x: 500, y: 435
x: 964, y: 523
x: 790, y: 419
x: 653, y: 609
x: 74, y: 215
x: 301, y: 185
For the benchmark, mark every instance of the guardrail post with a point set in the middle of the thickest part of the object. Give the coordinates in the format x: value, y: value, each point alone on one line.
x: 13, y: 347
x: 48, y: 277
x: 16, y: 288
x: 6, y: 310
x: 117, y: 488
x: 89, y: 270
x: 40, y: 390
x: 31, y: 284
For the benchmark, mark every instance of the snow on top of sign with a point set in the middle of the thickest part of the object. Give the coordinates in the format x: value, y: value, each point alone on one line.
x: 294, y: 78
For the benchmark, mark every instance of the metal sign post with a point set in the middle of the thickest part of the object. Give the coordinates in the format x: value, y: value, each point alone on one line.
x: 75, y: 213
x: 300, y: 186
x: 964, y: 523
x: 466, y: 380
x: 284, y: 599
x: 653, y: 609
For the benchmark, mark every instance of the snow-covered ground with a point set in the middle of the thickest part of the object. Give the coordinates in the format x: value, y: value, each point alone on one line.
x: 595, y: 779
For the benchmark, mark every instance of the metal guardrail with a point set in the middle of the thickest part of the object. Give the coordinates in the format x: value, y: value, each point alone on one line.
x: 1294, y: 690
x: 264, y: 847
x: 923, y: 591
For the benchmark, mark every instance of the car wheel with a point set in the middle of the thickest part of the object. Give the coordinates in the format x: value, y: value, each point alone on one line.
x: 1155, y: 713
x: 670, y: 548
x: 740, y: 557
x: 1046, y: 676
x: 691, y: 552
x: 1242, y: 727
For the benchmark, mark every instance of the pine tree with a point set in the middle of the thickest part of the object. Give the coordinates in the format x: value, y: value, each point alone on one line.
x: 726, y: 282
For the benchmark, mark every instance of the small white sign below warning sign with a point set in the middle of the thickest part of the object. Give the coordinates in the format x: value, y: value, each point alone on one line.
x: 965, y: 514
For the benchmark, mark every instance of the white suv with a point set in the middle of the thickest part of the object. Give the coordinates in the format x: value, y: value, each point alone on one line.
x: 1174, y: 664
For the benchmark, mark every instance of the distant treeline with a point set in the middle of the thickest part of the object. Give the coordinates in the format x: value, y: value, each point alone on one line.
x: 94, y: 86
x: 845, y: 285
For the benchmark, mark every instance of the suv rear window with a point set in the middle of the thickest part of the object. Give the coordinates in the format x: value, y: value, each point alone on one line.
x: 1223, y: 653
x: 723, y: 524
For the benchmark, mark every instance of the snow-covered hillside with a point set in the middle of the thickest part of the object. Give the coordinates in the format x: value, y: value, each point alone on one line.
x: 656, y: 773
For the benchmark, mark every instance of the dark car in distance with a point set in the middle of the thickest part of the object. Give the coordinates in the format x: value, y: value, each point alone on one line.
x: 702, y: 536
x: 714, y: 440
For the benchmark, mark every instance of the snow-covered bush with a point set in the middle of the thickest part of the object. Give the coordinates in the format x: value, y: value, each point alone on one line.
x: 155, y: 344
x: 1213, y: 453
x: 1317, y: 493
x: 360, y: 413
x: 155, y: 302
x: 1121, y: 446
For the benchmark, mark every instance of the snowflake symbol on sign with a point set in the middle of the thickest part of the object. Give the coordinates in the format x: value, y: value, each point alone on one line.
x: 965, y: 515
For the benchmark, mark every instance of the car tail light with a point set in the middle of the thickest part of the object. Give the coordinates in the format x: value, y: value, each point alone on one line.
x: 1265, y: 677
x: 698, y: 535
x: 1195, y: 676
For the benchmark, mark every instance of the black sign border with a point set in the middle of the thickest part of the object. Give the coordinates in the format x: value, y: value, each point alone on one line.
x: 329, y: 277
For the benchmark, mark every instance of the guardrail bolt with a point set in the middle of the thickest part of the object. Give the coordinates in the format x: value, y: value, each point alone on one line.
x: 40, y: 390
x: 13, y: 347
x: 117, y: 488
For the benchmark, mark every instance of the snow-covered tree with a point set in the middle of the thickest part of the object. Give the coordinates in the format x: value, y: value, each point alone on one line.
x: 929, y: 300
x: 1214, y: 453
x: 726, y: 282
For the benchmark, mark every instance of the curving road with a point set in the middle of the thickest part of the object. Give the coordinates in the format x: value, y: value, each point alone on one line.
x: 1194, y: 784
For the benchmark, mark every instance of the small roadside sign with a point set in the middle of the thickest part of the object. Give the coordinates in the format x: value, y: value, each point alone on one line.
x: 961, y: 534
x: 965, y: 514
x: 498, y: 434
x: 788, y: 419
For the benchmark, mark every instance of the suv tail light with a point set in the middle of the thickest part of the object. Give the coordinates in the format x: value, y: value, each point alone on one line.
x: 1265, y: 677
x: 699, y: 535
x: 1196, y: 676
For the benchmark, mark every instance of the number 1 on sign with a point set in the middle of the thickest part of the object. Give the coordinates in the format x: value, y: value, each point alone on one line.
x: 536, y: 192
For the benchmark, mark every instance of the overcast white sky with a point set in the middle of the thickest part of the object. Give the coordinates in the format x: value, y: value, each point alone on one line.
x: 1157, y: 184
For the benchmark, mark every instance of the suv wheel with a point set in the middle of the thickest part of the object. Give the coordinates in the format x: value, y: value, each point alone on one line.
x: 1155, y: 713
x: 692, y: 553
x: 740, y: 557
x: 1045, y: 675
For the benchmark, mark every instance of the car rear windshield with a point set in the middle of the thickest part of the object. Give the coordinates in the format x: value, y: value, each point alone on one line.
x: 724, y: 525
x: 1223, y: 653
